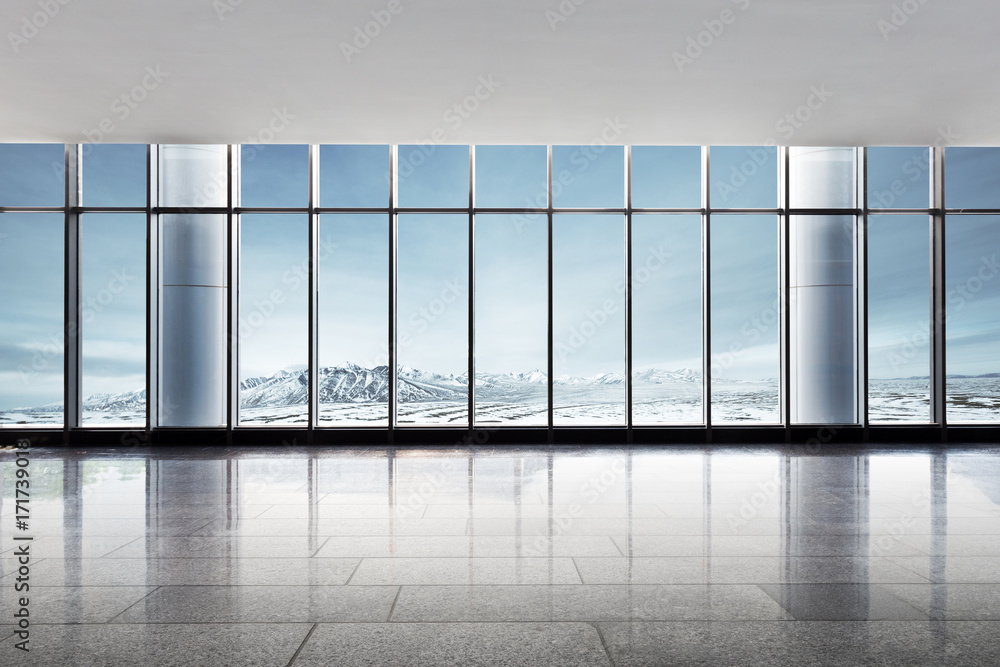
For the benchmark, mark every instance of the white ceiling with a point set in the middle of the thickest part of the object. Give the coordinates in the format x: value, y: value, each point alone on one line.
x: 230, y: 64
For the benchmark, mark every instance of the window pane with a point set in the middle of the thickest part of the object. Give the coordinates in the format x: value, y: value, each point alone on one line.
x: 511, y: 319
x: 32, y: 174
x: 588, y: 176
x: 899, y: 177
x: 193, y: 175
x: 589, y: 319
x: 746, y: 319
x: 973, y: 332
x: 31, y: 319
x: 432, y: 315
x: 353, y: 320
x: 274, y: 319
x: 666, y: 176
x: 354, y: 176
x: 972, y: 177
x: 666, y: 319
x: 274, y: 175
x: 899, y: 318
x: 744, y: 177
x: 433, y: 176
x: 512, y: 176
x: 113, y: 319
x: 114, y: 174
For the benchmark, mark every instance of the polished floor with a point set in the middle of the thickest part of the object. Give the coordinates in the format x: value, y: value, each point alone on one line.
x: 502, y: 556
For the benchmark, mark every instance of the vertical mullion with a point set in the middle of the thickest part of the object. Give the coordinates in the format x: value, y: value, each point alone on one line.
x: 471, y: 338
x: 938, y: 303
x: 628, y: 293
x: 313, y: 349
x: 706, y: 291
x: 393, y: 221
x: 72, y: 384
x: 551, y: 321
x: 232, y: 291
x: 785, y: 290
x: 862, y: 288
x: 152, y: 287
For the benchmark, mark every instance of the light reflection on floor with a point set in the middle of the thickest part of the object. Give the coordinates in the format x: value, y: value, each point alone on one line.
x: 566, y: 556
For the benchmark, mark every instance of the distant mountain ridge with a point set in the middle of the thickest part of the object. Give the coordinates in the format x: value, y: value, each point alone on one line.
x: 352, y: 383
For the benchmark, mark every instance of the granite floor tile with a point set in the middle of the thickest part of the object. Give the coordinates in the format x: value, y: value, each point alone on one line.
x: 58, y: 528
x: 80, y: 546
x: 951, y: 602
x: 473, y: 644
x: 953, y: 545
x: 812, y: 643
x: 342, y: 527
x: 732, y: 570
x: 841, y: 602
x: 80, y: 604
x: 528, y: 546
x: 263, y: 604
x: 339, y: 511
x: 953, y: 569
x: 582, y: 603
x: 195, y: 572
x: 181, y: 645
x: 464, y: 571
x: 221, y: 547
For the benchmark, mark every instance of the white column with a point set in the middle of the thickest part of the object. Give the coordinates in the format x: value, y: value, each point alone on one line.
x: 192, y: 297
x: 823, y: 340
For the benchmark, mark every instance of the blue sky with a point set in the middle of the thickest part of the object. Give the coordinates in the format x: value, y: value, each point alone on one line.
x: 510, y: 259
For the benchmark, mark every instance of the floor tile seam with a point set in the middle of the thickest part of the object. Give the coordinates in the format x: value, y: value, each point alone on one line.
x: 578, y: 573
x: 357, y: 566
x: 886, y: 591
x: 604, y: 643
x: 130, y: 542
x: 392, y: 609
x: 320, y: 547
x: 144, y: 597
x: 911, y: 569
x: 302, y: 645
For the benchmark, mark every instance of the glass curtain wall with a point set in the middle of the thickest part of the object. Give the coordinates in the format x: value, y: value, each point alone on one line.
x: 586, y: 285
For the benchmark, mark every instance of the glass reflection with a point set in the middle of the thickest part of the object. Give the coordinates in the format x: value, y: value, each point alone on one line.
x: 588, y: 268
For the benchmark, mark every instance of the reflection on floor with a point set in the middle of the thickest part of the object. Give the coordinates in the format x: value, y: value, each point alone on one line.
x: 295, y: 556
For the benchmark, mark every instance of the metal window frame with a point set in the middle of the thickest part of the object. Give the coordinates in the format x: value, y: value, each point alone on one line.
x: 73, y: 208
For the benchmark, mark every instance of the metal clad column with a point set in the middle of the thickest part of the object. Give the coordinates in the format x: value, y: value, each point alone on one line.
x: 193, y: 286
x: 823, y: 359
